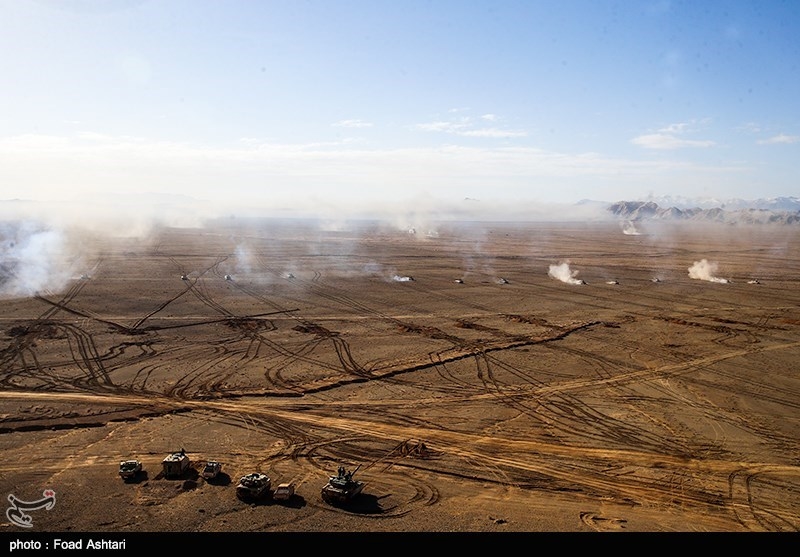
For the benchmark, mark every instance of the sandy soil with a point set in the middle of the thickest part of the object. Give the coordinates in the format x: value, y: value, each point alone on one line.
x: 484, y: 395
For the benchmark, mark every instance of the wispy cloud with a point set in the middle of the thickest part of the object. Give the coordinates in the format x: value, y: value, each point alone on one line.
x: 750, y: 127
x: 250, y: 173
x: 352, y: 124
x: 467, y: 127
x: 667, y: 141
x: 452, y: 126
x: 493, y: 132
x: 671, y: 137
x: 780, y: 139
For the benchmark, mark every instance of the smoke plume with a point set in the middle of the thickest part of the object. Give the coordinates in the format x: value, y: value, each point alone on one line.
x: 32, y: 259
x: 563, y: 273
x: 629, y: 227
x: 705, y: 270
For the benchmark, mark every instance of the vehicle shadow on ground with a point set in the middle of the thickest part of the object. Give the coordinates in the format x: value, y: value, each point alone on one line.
x: 140, y: 477
x: 363, y: 503
x: 222, y: 479
x: 295, y: 501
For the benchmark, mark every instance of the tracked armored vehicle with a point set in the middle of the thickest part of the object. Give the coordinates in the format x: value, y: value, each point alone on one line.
x: 342, y: 488
x: 253, y: 486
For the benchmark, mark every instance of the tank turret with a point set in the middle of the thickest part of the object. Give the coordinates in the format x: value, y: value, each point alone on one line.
x: 342, y: 488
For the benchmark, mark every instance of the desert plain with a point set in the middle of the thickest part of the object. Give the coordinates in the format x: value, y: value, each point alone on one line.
x: 471, y: 386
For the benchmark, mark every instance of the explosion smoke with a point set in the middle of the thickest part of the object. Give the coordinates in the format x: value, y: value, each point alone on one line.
x: 705, y: 270
x: 32, y: 259
x: 563, y: 273
x: 629, y: 227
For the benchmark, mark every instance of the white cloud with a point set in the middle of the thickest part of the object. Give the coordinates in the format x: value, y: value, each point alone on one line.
x: 667, y: 141
x: 669, y: 138
x: 444, y: 126
x: 249, y: 174
x: 493, y: 132
x: 780, y: 139
x: 465, y: 127
x: 353, y: 124
x: 750, y: 127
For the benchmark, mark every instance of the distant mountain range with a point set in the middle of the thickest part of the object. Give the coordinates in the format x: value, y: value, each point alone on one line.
x: 781, y: 210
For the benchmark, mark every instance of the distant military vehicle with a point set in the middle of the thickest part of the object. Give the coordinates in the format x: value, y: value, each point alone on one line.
x: 211, y: 469
x: 283, y: 492
x: 342, y: 488
x: 253, y: 486
x: 129, y: 469
x: 228, y: 277
x: 175, y: 464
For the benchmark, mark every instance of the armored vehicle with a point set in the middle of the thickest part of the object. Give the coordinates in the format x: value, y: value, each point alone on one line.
x: 253, y: 486
x: 211, y: 470
x: 128, y: 469
x: 342, y: 488
x: 175, y: 464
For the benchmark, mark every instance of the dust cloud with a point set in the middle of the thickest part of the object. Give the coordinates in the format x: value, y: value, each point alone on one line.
x: 629, y: 228
x: 30, y: 259
x: 705, y: 270
x: 563, y: 273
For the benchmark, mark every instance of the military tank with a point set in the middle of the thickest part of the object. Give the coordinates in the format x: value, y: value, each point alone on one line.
x: 253, y: 486
x: 342, y: 488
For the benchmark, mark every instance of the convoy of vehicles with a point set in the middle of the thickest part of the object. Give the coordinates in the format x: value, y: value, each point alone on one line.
x: 340, y: 489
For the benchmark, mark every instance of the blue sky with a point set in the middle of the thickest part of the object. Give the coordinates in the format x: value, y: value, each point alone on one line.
x: 335, y: 104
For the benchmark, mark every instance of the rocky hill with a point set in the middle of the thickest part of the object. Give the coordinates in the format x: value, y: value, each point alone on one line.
x: 736, y: 214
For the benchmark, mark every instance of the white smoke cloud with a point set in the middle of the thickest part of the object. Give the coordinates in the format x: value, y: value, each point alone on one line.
x: 629, y: 227
x: 244, y: 260
x: 563, y: 273
x: 705, y: 270
x: 32, y: 259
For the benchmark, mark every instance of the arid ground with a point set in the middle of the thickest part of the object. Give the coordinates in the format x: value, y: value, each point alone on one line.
x: 472, y: 389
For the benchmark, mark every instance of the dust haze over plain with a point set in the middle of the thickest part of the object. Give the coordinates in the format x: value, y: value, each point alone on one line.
x: 44, y: 245
x: 125, y: 116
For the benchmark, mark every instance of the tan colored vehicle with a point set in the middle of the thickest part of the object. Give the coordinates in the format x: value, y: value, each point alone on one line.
x: 283, y: 492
